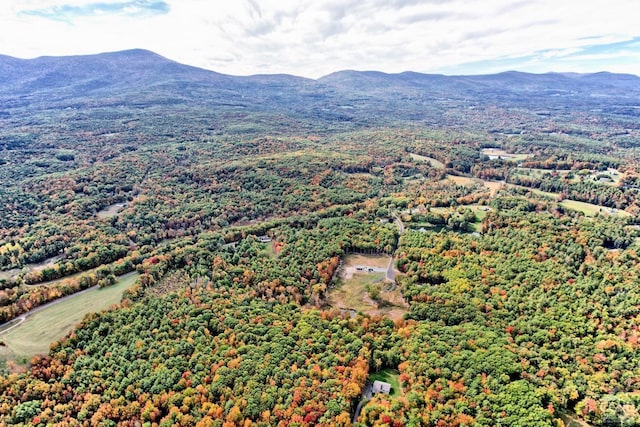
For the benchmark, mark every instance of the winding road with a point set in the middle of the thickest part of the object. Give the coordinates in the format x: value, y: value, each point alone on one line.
x: 399, y: 222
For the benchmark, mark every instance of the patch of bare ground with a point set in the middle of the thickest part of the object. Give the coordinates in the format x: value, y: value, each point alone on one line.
x: 494, y: 186
x: 362, y: 286
x: 170, y: 283
x: 356, y: 263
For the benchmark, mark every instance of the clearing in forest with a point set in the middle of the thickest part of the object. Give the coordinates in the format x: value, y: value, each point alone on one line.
x: 50, y: 262
x: 492, y: 186
x: 610, y: 177
x: 8, y: 274
x: 591, y: 210
x: 572, y: 420
x: 436, y: 164
x: 498, y: 153
x: 362, y: 286
x: 11, y: 274
x: 270, y: 249
x: 352, y: 263
x: 390, y: 376
x: 111, y: 211
x: 35, y: 334
x: 463, y: 180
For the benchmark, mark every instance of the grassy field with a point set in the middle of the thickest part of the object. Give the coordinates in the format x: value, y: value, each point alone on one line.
x: 536, y: 173
x: 434, y: 163
x: 34, y: 335
x: 390, y: 376
x: 463, y: 180
x: 352, y: 293
x: 588, y: 209
x: 611, y: 177
x: 536, y: 191
x: 591, y: 210
x: 572, y: 420
x: 352, y: 261
x: 110, y: 211
x: 494, y: 186
x: 270, y: 250
x: 442, y: 210
x: 8, y: 274
x: 479, y: 210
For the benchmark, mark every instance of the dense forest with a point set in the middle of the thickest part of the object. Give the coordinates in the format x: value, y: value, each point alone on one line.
x: 511, y: 231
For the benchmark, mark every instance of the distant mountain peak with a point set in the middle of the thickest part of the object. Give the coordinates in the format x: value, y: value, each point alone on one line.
x: 134, y: 74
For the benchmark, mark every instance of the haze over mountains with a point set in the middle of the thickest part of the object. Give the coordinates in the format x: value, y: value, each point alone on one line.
x: 142, y: 78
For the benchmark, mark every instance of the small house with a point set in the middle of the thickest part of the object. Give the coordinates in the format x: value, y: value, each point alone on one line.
x: 381, y: 387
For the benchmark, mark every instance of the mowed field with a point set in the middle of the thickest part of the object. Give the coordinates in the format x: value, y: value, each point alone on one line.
x: 463, y: 180
x: 492, y: 186
x: 35, y: 334
x: 390, y: 376
x: 590, y: 210
x: 436, y: 164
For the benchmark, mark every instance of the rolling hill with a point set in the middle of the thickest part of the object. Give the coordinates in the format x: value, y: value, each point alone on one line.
x: 256, y: 217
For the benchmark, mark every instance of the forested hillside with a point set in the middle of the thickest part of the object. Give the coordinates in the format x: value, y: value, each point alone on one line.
x: 472, y: 240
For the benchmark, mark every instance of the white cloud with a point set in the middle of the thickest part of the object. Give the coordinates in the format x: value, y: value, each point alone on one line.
x: 313, y: 38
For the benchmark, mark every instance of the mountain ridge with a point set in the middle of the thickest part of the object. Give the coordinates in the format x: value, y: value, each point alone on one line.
x: 139, y: 54
x: 139, y: 78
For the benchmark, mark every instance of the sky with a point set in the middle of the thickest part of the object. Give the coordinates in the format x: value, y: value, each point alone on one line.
x: 312, y: 38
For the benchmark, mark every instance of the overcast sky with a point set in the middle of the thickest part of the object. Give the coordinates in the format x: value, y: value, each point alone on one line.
x: 312, y: 38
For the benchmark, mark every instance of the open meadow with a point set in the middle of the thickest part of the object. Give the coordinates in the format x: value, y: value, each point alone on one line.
x: 497, y: 153
x: 36, y: 332
x: 434, y: 163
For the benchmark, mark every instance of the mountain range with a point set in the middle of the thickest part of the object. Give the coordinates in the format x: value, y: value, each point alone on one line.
x: 142, y: 79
